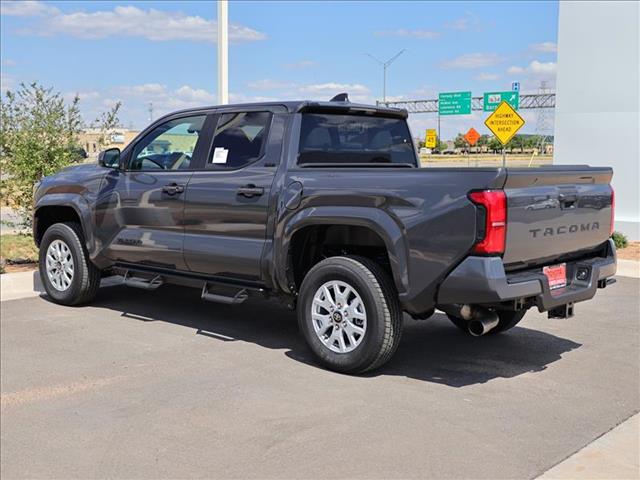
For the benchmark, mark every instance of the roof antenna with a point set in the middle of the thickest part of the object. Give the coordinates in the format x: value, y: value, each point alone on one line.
x: 341, y: 97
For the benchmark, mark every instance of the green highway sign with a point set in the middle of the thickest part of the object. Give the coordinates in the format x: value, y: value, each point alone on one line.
x: 454, y: 103
x: 493, y: 99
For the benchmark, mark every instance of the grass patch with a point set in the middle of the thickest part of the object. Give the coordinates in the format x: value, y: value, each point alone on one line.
x: 17, y: 248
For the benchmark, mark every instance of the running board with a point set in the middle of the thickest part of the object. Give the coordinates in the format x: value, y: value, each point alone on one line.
x: 237, y: 299
x: 143, y: 283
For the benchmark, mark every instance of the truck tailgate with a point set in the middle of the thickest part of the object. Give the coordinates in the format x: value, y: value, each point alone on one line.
x: 556, y: 210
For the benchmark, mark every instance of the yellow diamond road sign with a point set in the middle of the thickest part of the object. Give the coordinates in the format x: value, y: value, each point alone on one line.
x: 504, y: 122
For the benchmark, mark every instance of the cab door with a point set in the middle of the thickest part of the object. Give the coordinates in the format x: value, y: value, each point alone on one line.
x: 147, y: 201
x: 227, y: 202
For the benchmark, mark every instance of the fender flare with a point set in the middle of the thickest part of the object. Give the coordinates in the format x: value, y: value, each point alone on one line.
x: 78, y: 204
x: 373, y: 218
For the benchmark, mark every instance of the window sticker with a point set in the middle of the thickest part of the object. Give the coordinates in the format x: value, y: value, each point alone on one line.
x: 220, y: 155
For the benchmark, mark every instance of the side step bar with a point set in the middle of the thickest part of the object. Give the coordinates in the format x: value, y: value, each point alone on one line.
x: 143, y: 283
x: 238, y: 298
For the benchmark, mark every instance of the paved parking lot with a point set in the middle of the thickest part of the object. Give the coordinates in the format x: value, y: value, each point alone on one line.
x: 161, y: 384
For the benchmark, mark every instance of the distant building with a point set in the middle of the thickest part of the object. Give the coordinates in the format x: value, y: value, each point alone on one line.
x: 89, y: 139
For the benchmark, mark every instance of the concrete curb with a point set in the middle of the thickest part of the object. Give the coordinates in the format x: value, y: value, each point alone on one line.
x: 613, y: 455
x: 14, y: 286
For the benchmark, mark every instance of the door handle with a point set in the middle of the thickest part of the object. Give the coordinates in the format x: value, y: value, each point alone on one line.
x: 173, y: 189
x: 250, y: 191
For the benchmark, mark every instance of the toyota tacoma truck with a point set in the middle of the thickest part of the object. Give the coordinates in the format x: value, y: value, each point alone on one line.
x: 325, y: 206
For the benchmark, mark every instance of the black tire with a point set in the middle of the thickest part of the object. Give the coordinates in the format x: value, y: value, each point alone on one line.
x: 383, y: 314
x: 86, y: 276
x: 507, y: 320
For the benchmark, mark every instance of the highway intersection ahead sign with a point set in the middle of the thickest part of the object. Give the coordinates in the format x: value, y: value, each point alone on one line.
x: 504, y: 122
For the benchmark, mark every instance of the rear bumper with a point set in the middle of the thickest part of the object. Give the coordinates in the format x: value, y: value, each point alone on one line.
x: 483, y: 280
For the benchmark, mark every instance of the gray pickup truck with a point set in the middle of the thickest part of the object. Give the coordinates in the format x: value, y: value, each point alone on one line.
x: 324, y: 205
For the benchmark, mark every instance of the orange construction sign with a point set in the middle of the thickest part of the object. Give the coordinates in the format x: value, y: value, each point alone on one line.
x: 472, y: 136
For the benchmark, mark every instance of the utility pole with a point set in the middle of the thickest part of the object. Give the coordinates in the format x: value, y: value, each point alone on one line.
x: 150, y: 112
x: 223, y: 52
x: 385, y: 65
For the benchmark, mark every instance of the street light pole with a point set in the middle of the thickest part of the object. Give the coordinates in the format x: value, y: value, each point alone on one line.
x: 223, y: 52
x: 385, y: 65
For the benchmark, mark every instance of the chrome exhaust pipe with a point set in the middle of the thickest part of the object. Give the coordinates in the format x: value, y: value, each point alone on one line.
x: 483, y: 322
x: 480, y: 320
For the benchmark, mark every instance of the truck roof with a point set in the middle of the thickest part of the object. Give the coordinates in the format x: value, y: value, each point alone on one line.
x: 297, y: 106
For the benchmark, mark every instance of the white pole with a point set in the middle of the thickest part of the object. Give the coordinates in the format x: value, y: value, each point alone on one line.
x: 223, y: 52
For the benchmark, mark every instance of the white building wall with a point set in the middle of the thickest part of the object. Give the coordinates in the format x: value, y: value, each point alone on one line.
x: 598, y: 97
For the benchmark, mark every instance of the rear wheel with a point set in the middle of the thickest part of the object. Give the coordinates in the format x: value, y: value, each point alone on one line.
x: 507, y: 319
x: 349, y: 314
x: 67, y: 274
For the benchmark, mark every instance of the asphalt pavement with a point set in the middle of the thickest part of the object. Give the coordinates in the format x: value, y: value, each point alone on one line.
x: 163, y: 385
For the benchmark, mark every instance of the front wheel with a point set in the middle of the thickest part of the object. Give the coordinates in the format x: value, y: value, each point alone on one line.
x: 349, y: 314
x: 67, y: 274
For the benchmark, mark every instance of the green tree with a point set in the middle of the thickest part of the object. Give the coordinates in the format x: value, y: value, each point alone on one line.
x: 517, y: 142
x: 460, y: 142
x: 106, y: 123
x: 38, y: 137
x: 494, y: 144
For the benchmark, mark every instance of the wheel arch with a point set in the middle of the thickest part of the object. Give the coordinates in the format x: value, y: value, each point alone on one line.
x: 61, y: 208
x: 356, y: 220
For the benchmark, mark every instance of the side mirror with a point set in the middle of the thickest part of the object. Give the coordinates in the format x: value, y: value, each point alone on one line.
x: 109, y: 158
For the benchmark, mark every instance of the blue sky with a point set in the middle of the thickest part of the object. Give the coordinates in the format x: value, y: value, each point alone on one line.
x: 165, y: 52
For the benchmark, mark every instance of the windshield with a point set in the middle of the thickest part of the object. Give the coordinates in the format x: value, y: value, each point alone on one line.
x: 354, y: 139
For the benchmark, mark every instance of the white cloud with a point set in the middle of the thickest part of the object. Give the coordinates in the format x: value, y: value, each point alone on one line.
x: 544, y: 47
x: 469, y: 21
x: 331, y: 87
x: 535, y: 68
x: 301, y: 64
x: 130, y: 21
x: 317, y: 91
x: 7, y: 82
x: 191, y: 94
x: 532, y: 74
x: 26, y: 8
x: 401, y: 32
x: 243, y: 98
x: 144, y: 89
x: 487, y: 77
x: 473, y: 60
x: 268, y: 84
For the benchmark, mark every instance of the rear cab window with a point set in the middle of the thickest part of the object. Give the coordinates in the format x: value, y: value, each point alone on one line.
x: 354, y: 140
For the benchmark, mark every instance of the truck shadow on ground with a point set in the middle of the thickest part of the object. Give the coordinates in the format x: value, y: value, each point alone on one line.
x: 432, y: 350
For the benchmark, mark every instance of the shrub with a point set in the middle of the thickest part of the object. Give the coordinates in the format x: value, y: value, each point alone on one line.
x: 620, y: 239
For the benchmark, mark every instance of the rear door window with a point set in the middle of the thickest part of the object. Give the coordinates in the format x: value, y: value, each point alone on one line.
x: 354, y: 139
x: 239, y: 139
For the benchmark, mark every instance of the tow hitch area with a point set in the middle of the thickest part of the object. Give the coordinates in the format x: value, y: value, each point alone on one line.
x: 563, y: 311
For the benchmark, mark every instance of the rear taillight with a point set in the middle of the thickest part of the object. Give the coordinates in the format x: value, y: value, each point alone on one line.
x: 613, y: 208
x: 494, y: 204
